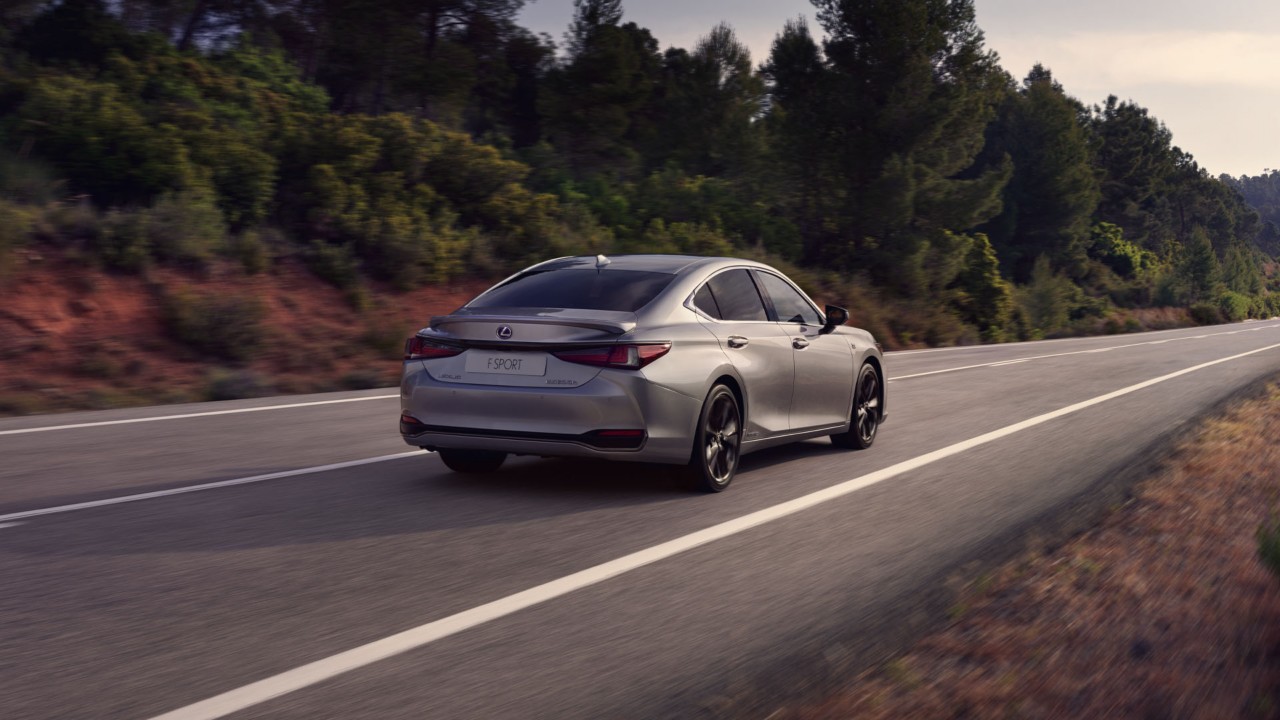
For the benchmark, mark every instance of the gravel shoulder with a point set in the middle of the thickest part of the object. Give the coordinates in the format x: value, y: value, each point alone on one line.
x: 1163, y: 610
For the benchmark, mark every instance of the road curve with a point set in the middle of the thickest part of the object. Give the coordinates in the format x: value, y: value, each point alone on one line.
x: 287, y: 558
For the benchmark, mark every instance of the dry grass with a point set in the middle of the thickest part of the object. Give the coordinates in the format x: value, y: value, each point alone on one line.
x: 74, y: 338
x: 1163, y: 611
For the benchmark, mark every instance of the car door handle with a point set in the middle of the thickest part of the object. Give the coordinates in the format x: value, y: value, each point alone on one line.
x: 737, y: 341
x: 799, y: 343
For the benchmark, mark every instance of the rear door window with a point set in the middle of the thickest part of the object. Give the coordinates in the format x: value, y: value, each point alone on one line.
x: 736, y: 296
x: 787, y: 301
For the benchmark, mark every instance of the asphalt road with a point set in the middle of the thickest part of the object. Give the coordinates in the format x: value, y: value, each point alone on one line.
x: 391, y: 588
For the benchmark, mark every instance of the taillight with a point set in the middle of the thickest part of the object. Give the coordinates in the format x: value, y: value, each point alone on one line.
x: 629, y: 357
x: 420, y: 348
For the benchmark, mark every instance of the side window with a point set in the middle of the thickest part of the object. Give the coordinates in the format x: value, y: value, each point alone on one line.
x: 790, y: 304
x: 706, y: 302
x: 736, y: 296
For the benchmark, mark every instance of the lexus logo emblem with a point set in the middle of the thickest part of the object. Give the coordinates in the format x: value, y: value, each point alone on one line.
x: 504, y: 332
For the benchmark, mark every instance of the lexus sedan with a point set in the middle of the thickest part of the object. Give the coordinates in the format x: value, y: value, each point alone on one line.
x: 687, y: 361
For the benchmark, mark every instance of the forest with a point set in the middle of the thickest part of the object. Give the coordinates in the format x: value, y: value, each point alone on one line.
x: 889, y: 162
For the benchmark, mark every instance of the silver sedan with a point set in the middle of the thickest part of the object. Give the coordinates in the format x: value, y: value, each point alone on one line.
x: 687, y: 361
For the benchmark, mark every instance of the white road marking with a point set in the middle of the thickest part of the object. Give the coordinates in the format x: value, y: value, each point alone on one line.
x: 158, y: 418
x: 204, y: 486
x: 306, y: 675
x: 9, y: 525
x: 956, y: 348
x: 998, y: 363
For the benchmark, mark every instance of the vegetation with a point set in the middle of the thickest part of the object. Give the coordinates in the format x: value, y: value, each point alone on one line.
x: 895, y: 163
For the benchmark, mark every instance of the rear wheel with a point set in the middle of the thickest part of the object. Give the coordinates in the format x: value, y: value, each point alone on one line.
x: 865, y: 418
x: 717, y: 442
x: 472, y: 461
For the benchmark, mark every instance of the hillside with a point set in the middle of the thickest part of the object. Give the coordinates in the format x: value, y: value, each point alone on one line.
x: 259, y: 147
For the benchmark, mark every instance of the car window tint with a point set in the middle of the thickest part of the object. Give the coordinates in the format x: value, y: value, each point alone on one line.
x: 578, y: 289
x: 737, y: 297
x: 705, y: 301
x: 787, y: 301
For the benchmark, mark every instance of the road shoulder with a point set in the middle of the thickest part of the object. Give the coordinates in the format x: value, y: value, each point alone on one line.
x: 1161, y: 610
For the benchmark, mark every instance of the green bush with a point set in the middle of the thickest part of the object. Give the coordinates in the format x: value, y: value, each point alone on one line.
x: 186, y: 228
x: 224, y: 326
x: 1233, y: 306
x: 15, y: 228
x: 250, y: 250
x: 124, y: 243
x: 335, y: 264
x: 1204, y: 313
x: 29, y: 181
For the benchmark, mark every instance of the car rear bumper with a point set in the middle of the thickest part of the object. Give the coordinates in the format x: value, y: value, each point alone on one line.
x: 564, y: 422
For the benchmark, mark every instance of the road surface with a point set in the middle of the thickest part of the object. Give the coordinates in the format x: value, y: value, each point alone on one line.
x: 291, y: 558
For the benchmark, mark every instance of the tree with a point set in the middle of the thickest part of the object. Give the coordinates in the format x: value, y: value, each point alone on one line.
x: 1135, y: 155
x: 588, y: 17
x: 596, y: 107
x: 708, y: 102
x: 985, y: 298
x: 1053, y: 192
x: 1199, y: 269
x: 796, y: 122
x: 909, y: 90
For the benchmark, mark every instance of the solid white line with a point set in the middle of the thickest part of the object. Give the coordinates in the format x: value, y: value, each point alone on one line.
x: 997, y: 363
x: 1144, y: 333
x: 157, y: 418
x: 321, y: 670
x: 9, y: 525
x: 205, y: 486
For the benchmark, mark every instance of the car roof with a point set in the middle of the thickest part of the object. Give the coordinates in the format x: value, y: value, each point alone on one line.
x: 672, y: 264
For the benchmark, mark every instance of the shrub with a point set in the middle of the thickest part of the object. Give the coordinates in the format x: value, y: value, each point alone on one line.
x: 72, y: 223
x: 250, y: 250
x: 124, y: 243
x: 224, y: 326
x: 1204, y: 313
x: 1234, y: 306
x: 28, y: 181
x: 186, y: 228
x: 224, y: 384
x: 335, y: 264
x: 15, y: 226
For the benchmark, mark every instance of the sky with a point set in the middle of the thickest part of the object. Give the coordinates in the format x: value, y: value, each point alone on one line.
x: 1210, y: 70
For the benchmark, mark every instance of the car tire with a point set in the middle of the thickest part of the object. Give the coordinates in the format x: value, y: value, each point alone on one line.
x: 864, y: 420
x: 472, y: 462
x: 717, y: 443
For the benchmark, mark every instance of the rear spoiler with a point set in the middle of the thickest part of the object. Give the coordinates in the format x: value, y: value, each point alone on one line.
x: 440, y: 322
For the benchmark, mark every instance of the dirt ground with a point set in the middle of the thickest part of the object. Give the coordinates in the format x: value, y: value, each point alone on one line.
x: 1162, y: 611
x: 73, y: 337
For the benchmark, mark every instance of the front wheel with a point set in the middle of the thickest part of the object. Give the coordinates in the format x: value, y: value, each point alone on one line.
x: 472, y: 461
x: 717, y: 442
x: 865, y: 418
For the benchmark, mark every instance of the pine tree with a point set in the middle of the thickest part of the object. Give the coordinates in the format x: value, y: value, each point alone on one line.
x: 909, y: 93
x: 1050, y: 199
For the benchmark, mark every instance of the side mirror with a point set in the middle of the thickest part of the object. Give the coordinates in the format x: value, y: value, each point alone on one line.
x: 836, y: 316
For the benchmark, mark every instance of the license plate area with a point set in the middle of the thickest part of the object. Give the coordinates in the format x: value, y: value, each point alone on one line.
x: 506, y: 363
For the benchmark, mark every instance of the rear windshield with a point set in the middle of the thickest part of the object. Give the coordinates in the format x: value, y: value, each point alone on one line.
x: 578, y: 289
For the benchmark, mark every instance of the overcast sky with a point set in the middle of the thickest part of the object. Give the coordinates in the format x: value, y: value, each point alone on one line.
x: 1209, y: 69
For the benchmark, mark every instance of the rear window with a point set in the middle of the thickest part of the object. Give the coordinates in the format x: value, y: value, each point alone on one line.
x: 577, y: 289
